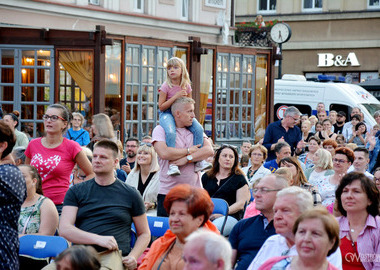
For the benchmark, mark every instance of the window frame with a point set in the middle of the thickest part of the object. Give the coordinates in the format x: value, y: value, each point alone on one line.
x: 267, y: 11
x: 312, y: 9
x: 369, y: 6
x: 135, y: 4
x: 184, y: 4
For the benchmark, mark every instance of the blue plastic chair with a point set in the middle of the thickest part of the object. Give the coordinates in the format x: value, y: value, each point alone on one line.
x: 221, y: 207
x: 158, y: 225
x: 42, y: 246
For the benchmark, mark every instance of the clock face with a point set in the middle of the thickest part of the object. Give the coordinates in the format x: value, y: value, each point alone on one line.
x: 280, y: 33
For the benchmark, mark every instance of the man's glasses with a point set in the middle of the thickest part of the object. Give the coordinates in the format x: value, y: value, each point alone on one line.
x: 52, y: 117
x: 295, y: 119
x: 263, y: 190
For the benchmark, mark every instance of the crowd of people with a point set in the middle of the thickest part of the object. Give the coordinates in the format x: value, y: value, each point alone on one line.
x: 304, y: 197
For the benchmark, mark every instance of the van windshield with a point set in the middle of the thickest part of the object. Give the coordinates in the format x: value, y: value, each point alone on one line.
x: 371, y: 107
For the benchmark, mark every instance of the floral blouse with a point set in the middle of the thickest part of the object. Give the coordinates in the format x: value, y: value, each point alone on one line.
x: 30, y: 217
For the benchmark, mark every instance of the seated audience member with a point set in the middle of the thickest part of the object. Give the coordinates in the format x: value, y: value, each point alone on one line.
x: 18, y: 154
x: 306, y: 130
x: 101, y: 128
x: 189, y: 209
x: 13, y: 194
x: 205, y: 250
x: 373, y: 146
x: 316, y: 229
x: 76, y: 132
x: 361, y: 162
x: 131, y: 146
x: 299, y: 178
x: 78, y: 257
x: 12, y: 119
x: 78, y: 175
x: 358, y: 136
x: 340, y: 140
x: 332, y: 116
x: 327, y: 185
x: 351, y: 146
x: 38, y: 213
x: 376, y: 178
x: 340, y: 121
x: 349, y: 127
x: 313, y: 121
x: 322, y: 115
x: 146, y: 139
x: 245, y: 147
x: 285, y: 173
x: 145, y: 176
x: 290, y: 203
x: 244, y: 161
x: 100, y: 211
x: 120, y: 174
x: 326, y: 132
x: 281, y: 150
x: 307, y: 158
x: 258, y: 155
x: 358, y: 202
x: 330, y: 145
x: 318, y: 127
x: 248, y: 235
x: 227, y: 181
x: 322, y: 167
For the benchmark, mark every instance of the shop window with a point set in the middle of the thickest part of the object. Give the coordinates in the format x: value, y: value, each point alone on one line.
x: 374, y: 4
x: 234, y: 104
x: 76, y: 72
x: 113, y: 101
x: 145, y: 68
x: 266, y: 6
x: 25, y: 84
x: 312, y: 5
x: 261, y: 96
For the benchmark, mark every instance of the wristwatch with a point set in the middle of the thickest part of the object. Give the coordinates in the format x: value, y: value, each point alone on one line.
x: 189, y: 158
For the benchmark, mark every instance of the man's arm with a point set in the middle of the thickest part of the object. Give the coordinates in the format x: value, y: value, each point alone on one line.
x: 171, y: 153
x: 143, y: 239
x: 68, y: 230
x: 200, y: 154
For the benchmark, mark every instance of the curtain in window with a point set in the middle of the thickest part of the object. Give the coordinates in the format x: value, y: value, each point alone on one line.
x: 80, y: 65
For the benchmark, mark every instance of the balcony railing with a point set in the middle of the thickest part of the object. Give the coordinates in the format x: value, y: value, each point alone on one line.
x: 256, y: 37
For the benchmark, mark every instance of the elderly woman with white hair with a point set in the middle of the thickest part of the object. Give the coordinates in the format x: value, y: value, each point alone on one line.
x: 145, y: 176
x: 206, y: 250
x: 322, y: 166
x: 76, y: 132
x: 291, y: 202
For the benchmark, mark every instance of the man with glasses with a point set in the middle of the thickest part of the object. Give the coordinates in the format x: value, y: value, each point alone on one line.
x: 128, y: 163
x: 290, y: 203
x: 248, y: 235
x: 282, y: 150
x: 284, y: 130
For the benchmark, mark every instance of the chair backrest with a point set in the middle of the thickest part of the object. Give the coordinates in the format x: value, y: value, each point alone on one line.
x: 42, y: 246
x: 220, y: 206
x: 158, y: 225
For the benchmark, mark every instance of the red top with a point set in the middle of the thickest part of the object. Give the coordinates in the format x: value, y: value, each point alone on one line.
x: 350, y: 255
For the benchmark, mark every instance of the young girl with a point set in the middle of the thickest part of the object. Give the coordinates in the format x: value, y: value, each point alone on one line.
x: 177, y: 85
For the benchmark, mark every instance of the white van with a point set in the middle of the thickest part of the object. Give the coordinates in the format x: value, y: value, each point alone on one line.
x: 294, y: 90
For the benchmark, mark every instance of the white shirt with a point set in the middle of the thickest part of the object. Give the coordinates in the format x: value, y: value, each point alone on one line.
x: 352, y: 169
x: 276, y: 246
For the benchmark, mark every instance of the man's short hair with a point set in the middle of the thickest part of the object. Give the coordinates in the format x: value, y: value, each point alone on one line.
x: 291, y: 111
x: 304, y: 199
x: 362, y: 149
x: 216, y: 247
x: 108, y: 144
x: 132, y: 139
x: 279, y: 146
x: 177, y: 105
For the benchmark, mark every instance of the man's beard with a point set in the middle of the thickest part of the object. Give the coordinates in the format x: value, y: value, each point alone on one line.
x: 340, y: 122
x: 131, y: 154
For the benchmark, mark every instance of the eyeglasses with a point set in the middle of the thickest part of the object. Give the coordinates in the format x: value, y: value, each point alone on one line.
x: 295, y: 119
x: 263, y: 190
x: 52, y: 117
x: 376, y: 179
x: 339, y: 160
x: 146, y: 143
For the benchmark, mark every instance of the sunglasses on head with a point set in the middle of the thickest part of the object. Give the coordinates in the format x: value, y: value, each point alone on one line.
x: 146, y: 143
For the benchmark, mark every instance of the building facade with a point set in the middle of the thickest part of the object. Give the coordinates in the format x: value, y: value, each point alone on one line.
x: 110, y: 56
x: 332, y: 37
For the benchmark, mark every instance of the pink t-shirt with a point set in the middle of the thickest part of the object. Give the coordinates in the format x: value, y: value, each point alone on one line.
x: 170, y: 92
x: 184, y: 139
x: 54, y: 165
